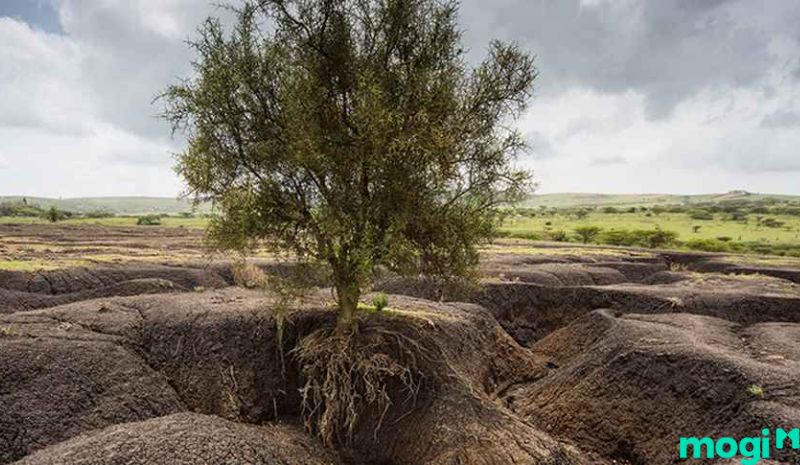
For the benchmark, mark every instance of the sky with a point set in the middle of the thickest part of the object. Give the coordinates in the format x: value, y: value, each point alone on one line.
x: 634, y: 96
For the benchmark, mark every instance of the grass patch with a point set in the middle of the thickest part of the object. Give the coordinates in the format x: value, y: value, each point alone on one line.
x: 765, y: 234
x: 170, y: 221
x: 40, y: 265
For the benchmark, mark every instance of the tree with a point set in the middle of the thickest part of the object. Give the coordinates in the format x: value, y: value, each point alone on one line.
x: 352, y: 133
x: 587, y: 233
x: 53, y: 215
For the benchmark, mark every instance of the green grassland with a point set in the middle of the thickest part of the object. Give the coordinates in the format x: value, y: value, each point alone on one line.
x: 166, y: 221
x: 567, y: 200
x: 770, y: 232
x: 680, y: 223
x: 115, y: 205
x: 737, y: 221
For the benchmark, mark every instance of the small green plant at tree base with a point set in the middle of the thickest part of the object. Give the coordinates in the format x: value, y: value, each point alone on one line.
x: 755, y: 390
x: 380, y: 302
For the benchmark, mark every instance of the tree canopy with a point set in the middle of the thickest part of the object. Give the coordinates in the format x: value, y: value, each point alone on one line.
x: 353, y: 133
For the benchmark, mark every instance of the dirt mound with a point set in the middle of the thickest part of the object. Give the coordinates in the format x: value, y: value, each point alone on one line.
x: 722, y: 266
x: 529, y: 312
x: 58, y: 380
x: 556, y: 274
x: 636, y: 271
x: 187, y: 439
x: 14, y: 301
x: 72, y: 280
x: 639, y: 382
x: 222, y: 353
x: 564, y: 269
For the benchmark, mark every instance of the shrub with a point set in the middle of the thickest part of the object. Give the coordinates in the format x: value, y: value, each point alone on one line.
x: 587, y: 233
x: 701, y: 215
x: 660, y: 238
x: 149, y: 220
x: 559, y: 236
x: 20, y: 209
x: 772, y: 223
x: 638, y: 237
x: 98, y: 214
x: 380, y: 302
x: 248, y: 275
x: 707, y: 245
x: 54, y: 214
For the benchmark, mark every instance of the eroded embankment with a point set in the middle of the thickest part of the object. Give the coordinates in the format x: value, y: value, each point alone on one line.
x: 219, y: 353
x: 188, y: 375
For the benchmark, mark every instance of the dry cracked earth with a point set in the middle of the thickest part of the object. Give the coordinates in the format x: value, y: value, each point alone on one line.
x: 562, y: 355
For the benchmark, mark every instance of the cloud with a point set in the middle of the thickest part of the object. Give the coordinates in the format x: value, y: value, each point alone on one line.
x: 781, y: 119
x: 79, y: 101
x: 634, y: 95
x: 606, y: 161
x: 665, y: 50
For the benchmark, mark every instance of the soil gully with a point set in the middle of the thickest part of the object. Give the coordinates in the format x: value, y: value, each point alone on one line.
x: 555, y: 359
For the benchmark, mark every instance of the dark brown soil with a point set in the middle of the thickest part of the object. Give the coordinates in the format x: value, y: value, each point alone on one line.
x: 187, y: 439
x: 559, y: 356
x: 220, y: 353
x: 637, y: 383
x: 59, y: 379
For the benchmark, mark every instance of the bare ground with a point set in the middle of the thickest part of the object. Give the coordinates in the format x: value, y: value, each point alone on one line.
x: 562, y: 355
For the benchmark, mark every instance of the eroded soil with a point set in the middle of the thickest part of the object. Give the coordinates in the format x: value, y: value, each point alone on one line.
x: 562, y: 355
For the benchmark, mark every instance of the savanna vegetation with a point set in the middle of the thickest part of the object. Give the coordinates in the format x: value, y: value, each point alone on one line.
x: 764, y: 225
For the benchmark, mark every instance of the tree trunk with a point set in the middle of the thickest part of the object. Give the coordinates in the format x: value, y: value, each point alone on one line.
x: 347, y: 295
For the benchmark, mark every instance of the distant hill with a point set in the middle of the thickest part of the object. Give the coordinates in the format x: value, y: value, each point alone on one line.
x: 577, y: 200
x: 141, y: 205
x: 116, y: 205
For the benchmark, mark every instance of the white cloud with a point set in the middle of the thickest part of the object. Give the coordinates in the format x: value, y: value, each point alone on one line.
x: 76, y: 116
x: 634, y: 96
x: 713, y: 141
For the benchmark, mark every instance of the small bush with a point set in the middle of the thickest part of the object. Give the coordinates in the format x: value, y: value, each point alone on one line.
x: 248, y: 275
x: 701, y: 215
x: 98, y: 214
x: 707, y: 245
x: 587, y: 233
x: 54, y: 214
x: 149, y: 220
x: 380, y: 302
x: 559, y: 236
x: 772, y: 223
x: 638, y: 237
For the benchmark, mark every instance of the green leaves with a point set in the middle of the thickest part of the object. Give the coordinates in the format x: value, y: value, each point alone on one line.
x: 352, y: 132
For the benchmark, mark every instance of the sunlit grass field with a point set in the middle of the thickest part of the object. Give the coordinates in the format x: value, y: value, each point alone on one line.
x: 520, y: 226
x: 680, y: 223
x: 198, y: 222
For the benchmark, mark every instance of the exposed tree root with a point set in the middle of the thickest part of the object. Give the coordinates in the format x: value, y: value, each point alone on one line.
x: 353, y: 378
